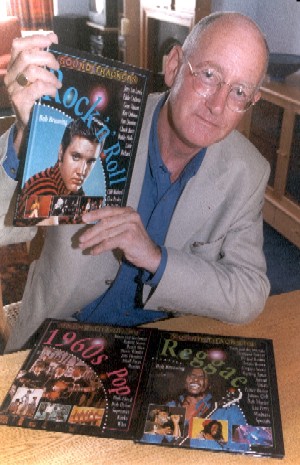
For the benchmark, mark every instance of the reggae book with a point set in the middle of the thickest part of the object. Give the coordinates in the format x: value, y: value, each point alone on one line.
x: 164, y: 388
x: 82, y: 143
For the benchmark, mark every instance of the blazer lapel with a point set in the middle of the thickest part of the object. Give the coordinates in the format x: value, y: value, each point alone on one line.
x: 200, y: 198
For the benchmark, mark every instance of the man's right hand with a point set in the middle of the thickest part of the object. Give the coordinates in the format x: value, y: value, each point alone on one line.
x: 29, y: 56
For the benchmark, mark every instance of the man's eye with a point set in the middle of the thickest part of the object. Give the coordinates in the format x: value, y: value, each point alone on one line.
x: 209, y: 76
x: 239, y: 93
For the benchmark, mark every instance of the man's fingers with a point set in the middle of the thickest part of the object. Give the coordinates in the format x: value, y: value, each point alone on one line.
x: 99, y: 233
x: 105, y: 212
x: 37, y: 42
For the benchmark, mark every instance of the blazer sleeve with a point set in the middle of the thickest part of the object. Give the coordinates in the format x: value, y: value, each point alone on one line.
x: 8, y: 188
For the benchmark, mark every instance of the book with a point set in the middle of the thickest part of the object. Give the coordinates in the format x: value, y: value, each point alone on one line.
x: 82, y: 143
x: 151, y: 386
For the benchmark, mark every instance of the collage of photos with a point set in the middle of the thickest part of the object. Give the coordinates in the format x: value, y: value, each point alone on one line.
x: 204, y: 414
x: 61, y: 207
x: 57, y: 388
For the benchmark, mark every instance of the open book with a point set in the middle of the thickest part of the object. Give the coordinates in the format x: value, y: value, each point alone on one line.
x: 82, y: 142
x: 154, y: 387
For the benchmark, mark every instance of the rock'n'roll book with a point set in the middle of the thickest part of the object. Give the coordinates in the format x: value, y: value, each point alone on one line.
x: 172, y: 389
x: 82, y: 143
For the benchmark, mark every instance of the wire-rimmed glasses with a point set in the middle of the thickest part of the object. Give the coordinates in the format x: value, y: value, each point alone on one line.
x: 207, y: 81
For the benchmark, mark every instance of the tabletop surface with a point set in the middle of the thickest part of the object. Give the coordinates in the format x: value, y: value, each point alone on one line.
x: 279, y: 321
x: 288, y: 90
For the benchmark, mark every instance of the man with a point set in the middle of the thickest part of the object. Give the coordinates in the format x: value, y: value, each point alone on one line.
x: 35, y: 378
x: 191, y: 238
x: 77, y: 155
x: 162, y: 422
x: 196, y: 398
x: 212, y: 430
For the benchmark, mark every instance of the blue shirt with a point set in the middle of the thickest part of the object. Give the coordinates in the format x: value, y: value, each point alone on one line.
x: 121, y: 303
x: 11, y: 161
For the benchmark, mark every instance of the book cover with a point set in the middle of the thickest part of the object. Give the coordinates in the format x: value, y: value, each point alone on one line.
x: 83, y: 379
x: 82, y: 143
x: 171, y: 389
x: 213, y: 392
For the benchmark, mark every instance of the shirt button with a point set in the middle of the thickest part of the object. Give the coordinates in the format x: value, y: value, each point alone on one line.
x: 12, y: 170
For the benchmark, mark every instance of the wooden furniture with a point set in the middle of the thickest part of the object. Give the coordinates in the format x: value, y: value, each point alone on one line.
x: 3, y: 323
x: 273, y: 125
x: 161, y: 27
x: 279, y: 321
x: 72, y: 31
x: 104, y: 40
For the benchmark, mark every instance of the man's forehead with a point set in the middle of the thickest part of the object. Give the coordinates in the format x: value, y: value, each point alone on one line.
x: 197, y: 371
x: 229, y: 51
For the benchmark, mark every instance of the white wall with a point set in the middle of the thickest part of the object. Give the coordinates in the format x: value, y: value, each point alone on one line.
x: 76, y: 7
x: 281, y: 25
x: 278, y: 19
x: 247, y: 7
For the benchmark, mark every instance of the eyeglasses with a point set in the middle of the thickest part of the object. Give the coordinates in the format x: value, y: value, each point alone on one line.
x: 207, y: 81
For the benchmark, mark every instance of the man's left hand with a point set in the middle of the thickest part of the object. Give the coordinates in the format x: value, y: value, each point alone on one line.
x: 120, y: 228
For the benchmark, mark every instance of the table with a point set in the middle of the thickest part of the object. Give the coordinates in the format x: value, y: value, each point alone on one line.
x: 279, y: 321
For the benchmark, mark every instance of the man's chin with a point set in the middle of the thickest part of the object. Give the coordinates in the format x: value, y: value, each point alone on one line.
x: 74, y: 189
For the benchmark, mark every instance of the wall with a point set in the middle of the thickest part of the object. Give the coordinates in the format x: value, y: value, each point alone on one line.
x: 76, y: 7
x: 278, y: 19
x: 281, y: 25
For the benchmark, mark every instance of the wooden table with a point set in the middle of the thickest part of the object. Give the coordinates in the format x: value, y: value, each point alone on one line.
x: 280, y: 321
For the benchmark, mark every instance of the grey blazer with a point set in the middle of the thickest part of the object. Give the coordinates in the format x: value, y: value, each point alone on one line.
x: 215, y: 268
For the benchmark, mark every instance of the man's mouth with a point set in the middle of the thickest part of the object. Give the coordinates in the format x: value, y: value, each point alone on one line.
x: 77, y: 182
x: 194, y: 386
x: 208, y: 122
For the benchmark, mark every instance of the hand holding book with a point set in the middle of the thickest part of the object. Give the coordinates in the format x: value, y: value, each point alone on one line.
x: 120, y: 228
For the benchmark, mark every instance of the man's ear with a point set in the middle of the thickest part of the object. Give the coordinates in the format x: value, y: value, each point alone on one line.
x: 172, y: 64
x: 60, y: 154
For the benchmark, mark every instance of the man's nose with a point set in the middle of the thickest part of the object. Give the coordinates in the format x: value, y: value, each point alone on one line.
x: 82, y: 168
x: 217, y: 102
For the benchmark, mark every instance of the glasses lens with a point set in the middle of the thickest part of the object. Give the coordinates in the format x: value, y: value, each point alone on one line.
x: 206, y: 81
x: 239, y: 99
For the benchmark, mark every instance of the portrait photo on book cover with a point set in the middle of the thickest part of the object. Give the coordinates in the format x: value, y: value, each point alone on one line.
x: 64, y: 177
